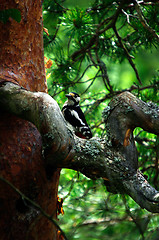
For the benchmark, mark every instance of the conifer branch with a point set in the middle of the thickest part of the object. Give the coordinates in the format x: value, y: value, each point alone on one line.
x: 144, y: 22
x: 111, y: 22
x: 113, y: 158
x: 114, y: 93
x: 129, y: 57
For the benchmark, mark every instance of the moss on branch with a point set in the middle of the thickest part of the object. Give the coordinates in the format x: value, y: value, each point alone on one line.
x: 113, y: 158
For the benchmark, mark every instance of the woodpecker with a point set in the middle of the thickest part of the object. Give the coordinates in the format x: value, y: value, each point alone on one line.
x: 74, y: 116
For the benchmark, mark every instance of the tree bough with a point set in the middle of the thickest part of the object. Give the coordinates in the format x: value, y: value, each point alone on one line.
x: 113, y: 158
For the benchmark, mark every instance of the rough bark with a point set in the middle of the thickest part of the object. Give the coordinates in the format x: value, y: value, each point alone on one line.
x: 21, y: 46
x: 33, y: 134
x: 21, y: 160
x: 113, y: 158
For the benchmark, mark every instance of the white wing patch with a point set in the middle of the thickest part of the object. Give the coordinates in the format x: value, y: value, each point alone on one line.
x: 75, y: 114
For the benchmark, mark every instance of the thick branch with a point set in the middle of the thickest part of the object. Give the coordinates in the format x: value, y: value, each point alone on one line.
x: 96, y: 160
x: 43, y: 111
x: 114, y: 158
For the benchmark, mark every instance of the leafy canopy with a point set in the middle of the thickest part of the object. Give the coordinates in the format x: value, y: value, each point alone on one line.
x: 98, y: 49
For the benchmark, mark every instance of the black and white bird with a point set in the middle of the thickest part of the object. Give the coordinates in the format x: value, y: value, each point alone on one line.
x: 74, y: 116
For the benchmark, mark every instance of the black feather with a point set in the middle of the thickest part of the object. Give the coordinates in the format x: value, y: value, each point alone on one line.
x: 74, y: 115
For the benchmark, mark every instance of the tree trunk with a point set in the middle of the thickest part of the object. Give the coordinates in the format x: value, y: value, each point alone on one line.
x: 112, y: 158
x: 25, y: 150
x: 21, y: 160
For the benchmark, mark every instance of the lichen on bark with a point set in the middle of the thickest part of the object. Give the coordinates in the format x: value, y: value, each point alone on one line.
x: 113, y: 158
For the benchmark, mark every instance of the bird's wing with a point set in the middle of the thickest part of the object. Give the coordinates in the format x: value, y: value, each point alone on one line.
x: 75, y: 117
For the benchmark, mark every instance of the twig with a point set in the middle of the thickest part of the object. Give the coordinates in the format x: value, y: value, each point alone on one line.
x: 144, y: 22
x: 113, y: 18
x: 114, y: 93
x: 156, y: 165
x: 91, y: 82
x: 129, y: 57
x: 94, y: 38
x: 133, y: 218
x: 145, y: 169
x: 128, y: 18
x: 34, y: 204
x: 105, y: 221
x: 103, y: 69
x: 63, y: 8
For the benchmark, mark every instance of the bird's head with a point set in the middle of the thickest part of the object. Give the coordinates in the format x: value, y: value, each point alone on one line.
x: 73, y: 98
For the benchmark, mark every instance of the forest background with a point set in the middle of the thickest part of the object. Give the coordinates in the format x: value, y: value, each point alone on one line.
x: 86, y: 54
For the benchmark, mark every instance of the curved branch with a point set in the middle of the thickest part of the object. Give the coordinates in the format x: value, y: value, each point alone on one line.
x: 43, y: 111
x: 114, y: 158
x: 96, y: 160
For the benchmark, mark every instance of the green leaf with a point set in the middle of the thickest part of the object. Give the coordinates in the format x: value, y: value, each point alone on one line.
x: 13, y: 13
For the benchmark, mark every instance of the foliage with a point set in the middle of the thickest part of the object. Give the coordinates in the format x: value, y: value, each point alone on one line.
x: 100, y: 48
x: 10, y: 13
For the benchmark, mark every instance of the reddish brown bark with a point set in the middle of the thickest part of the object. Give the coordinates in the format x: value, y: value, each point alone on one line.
x: 113, y: 158
x: 21, y: 45
x: 21, y: 161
